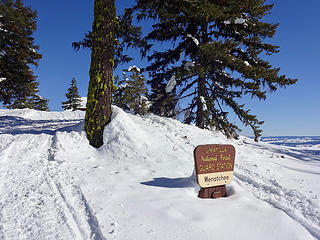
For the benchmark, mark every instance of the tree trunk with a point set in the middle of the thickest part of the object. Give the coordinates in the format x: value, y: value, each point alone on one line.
x: 98, y: 113
x: 201, y: 80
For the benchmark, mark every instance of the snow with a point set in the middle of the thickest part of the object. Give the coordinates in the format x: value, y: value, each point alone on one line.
x: 240, y: 20
x: 189, y: 65
x: 83, y: 102
x: 227, y: 22
x: 224, y: 74
x: 195, y: 40
x: 134, y: 67
x: 123, y: 85
x: 171, y: 84
x: 218, y: 85
x: 139, y: 184
x: 40, y: 97
x: 204, y: 104
x: 247, y: 63
x: 145, y: 100
x: 3, y: 29
x: 2, y: 79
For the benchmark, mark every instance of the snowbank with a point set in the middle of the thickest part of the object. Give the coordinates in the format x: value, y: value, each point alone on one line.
x: 139, y: 184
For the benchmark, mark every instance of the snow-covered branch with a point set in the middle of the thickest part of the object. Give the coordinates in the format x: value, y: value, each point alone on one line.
x: 171, y: 84
x: 134, y: 67
x: 241, y: 21
x: 188, y: 65
x: 204, y: 104
x: 196, y: 41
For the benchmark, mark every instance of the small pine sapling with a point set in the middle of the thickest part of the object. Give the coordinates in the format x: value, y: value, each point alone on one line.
x: 74, y: 99
x: 132, y: 93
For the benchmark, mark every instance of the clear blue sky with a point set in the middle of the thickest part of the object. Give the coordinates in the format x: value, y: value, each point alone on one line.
x: 291, y: 111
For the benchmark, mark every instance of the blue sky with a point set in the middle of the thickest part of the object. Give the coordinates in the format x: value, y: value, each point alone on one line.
x: 291, y: 111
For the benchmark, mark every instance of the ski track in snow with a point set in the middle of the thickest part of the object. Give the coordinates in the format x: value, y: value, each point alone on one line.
x: 39, y: 200
x: 296, y: 205
x: 292, y: 202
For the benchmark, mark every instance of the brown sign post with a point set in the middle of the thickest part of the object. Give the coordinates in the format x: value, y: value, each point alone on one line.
x: 214, y: 168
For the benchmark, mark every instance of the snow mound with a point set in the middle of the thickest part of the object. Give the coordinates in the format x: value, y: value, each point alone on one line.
x: 121, y: 132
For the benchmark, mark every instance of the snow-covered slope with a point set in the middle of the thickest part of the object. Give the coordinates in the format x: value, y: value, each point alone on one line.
x: 139, y: 184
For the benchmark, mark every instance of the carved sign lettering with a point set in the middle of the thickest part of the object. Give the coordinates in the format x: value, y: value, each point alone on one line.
x: 214, y: 164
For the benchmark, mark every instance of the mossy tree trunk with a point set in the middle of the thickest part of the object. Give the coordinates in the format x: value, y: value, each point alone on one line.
x: 98, y: 112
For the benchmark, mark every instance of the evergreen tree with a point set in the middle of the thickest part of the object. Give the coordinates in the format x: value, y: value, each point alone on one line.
x: 18, y: 86
x: 132, y: 93
x: 39, y: 103
x: 127, y: 35
x: 33, y: 102
x: 98, y: 112
x: 74, y: 99
x: 216, y: 58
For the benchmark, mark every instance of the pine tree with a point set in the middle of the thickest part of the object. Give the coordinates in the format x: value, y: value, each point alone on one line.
x: 33, y: 102
x: 216, y: 58
x: 18, y: 86
x: 39, y: 103
x: 127, y: 36
x: 132, y: 93
x: 98, y: 112
x: 74, y: 99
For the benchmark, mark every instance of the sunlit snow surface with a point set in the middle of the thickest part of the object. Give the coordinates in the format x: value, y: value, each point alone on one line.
x: 139, y: 184
x: 308, y: 145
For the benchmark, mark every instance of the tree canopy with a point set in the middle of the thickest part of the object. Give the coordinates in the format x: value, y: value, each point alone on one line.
x: 18, y: 85
x: 215, y: 55
x: 127, y: 35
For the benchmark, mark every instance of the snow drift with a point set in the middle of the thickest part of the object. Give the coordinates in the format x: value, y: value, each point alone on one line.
x: 139, y: 184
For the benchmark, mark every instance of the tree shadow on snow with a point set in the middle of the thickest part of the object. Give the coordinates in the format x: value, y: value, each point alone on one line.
x: 18, y: 125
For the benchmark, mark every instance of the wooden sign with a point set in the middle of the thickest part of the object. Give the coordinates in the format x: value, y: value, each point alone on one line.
x: 213, y: 192
x: 214, y: 164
